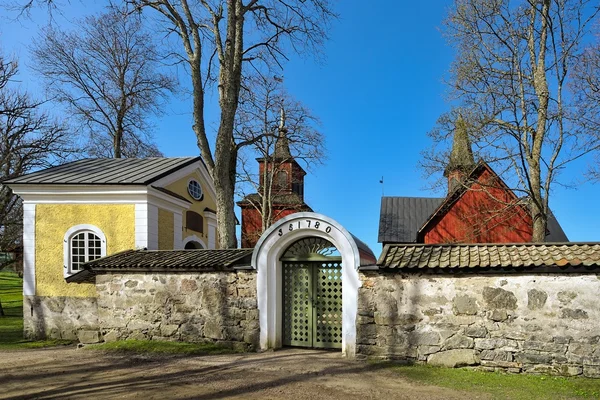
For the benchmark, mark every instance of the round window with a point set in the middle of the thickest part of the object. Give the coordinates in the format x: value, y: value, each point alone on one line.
x: 195, y: 190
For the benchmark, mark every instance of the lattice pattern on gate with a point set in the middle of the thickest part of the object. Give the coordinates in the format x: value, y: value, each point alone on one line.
x: 297, y: 304
x: 312, y: 304
x: 328, y: 305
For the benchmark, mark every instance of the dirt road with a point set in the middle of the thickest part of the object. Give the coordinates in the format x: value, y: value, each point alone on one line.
x: 286, y: 374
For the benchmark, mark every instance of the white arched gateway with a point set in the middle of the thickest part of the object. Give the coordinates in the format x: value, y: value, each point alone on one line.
x: 302, y: 262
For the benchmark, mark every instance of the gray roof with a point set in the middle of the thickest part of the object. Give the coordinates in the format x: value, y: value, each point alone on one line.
x: 555, y: 231
x: 107, y: 171
x: 489, y: 256
x: 367, y: 257
x: 401, y: 217
x: 164, y: 261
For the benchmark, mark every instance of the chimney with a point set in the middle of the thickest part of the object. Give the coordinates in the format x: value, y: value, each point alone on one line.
x: 461, y: 161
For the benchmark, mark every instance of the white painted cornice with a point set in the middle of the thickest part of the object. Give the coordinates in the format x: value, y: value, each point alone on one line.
x: 207, y: 181
x: 98, y: 194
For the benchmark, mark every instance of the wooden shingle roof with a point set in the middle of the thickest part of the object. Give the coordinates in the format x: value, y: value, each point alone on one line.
x: 489, y: 256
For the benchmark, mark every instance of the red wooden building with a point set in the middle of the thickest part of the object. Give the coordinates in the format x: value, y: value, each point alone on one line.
x: 479, y: 208
x: 281, y: 184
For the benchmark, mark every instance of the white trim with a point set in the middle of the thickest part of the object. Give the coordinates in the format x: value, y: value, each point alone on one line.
x: 101, y: 194
x: 28, y: 249
x: 193, y: 238
x: 41, y: 190
x: 182, y: 173
x: 187, y: 188
x: 152, y: 227
x: 141, y: 226
x: 211, y: 224
x: 266, y: 259
x: 90, y: 198
x: 166, y: 201
x: 177, y: 230
x: 67, y: 244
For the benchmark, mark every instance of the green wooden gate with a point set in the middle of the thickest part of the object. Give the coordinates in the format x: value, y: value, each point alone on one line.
x: 312, y: 303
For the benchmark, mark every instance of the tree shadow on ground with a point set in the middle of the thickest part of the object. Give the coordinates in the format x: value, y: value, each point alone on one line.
x: 123, y: 375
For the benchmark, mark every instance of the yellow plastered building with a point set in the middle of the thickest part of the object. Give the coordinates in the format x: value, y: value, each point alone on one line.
x: 91, y: 208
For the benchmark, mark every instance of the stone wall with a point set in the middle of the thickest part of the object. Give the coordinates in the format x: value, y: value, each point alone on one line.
x: 56, y: 317
x: 212, y: 306
x: 520, y: 323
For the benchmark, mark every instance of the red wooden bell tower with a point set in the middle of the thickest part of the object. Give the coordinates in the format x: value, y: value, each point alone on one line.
x: 280, y: 191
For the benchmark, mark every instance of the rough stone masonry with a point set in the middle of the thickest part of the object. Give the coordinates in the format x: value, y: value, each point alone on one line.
x: 542, y: 323
x: 209, y: 306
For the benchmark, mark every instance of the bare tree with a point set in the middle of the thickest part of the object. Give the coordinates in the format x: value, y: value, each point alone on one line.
x: 29, y: 140
x: 107, y: 74
x: 514, y: 60
x: 222, y: 41
x: 585, y: 85
x: 24, y: 7
x: 281, y: 131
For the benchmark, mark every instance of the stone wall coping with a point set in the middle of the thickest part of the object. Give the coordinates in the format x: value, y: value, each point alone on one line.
x: 544, y: 257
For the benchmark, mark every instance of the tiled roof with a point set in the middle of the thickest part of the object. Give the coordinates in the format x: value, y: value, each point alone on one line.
x: 401, y: 218
x: 107, y: 171
x: 489, y: 256
x: 163, y: 261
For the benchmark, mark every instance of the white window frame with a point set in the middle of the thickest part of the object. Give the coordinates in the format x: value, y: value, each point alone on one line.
x: 193, y: 238
x: 199, y: 185
x: 75, y: 230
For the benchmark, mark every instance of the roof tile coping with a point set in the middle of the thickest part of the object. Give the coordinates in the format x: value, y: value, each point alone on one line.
x: 163, y: 261
x: 489, y: 255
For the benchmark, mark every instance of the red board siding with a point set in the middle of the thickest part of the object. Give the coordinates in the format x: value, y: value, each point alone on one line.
x: 486, y: 213
x: 252, y: 223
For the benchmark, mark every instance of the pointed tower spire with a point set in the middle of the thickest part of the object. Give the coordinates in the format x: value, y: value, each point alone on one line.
x: 282, y: 145
x: 461, y: 161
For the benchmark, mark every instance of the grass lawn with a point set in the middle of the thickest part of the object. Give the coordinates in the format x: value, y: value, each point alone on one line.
x: 158, y: 347
x: 504, y: 386
x: 11, y: 324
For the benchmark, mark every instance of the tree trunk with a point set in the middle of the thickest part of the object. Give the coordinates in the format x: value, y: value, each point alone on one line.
x: 540, y: 83
x: 224, y: 188
x: 198, y: 113
x: 225, y: 150
x: 1, y: 309
x: 117, y: 144
x: 540, y: 221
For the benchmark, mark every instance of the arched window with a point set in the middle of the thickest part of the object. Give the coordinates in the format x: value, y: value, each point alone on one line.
x: 193, y: 242
x: 193, y: 245
x: 82, y: 243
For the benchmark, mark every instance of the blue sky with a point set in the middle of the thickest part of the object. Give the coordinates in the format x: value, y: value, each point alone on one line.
x: 378, y: 92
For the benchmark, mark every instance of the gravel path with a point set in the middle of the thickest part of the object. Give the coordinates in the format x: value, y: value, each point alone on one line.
x: 285, y: 374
